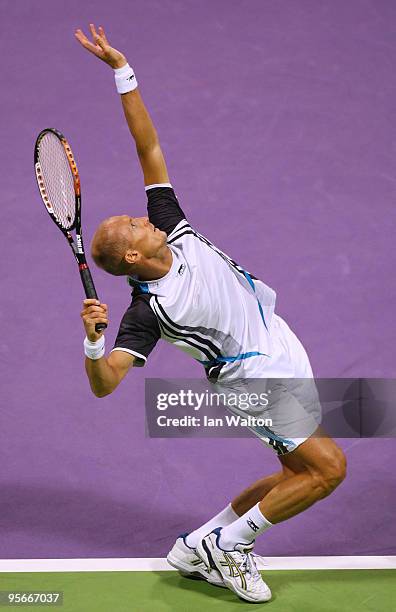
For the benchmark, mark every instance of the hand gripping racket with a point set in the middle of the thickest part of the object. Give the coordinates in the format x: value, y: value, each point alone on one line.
x: 59, y: 186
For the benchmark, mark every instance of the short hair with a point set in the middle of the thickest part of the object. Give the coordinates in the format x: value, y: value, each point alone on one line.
x: 108, y: 249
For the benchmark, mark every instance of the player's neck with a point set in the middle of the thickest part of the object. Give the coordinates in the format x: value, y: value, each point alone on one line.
x: 156, y: 267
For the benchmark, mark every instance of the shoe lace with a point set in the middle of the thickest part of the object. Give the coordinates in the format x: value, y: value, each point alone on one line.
x: 248, y: 565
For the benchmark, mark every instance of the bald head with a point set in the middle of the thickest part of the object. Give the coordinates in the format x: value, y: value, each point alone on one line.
x: 110, y: 244
x: 131, y: 245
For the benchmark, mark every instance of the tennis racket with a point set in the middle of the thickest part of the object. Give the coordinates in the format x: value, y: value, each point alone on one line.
x: 59, y: 185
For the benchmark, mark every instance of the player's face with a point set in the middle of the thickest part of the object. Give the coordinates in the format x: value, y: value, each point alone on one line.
x: 145, y: 237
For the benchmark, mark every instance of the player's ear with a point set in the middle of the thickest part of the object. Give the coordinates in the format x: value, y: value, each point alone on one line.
x: 131, y: 256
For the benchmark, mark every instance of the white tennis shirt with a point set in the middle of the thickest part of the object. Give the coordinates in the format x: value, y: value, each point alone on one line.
x: 207, y: 305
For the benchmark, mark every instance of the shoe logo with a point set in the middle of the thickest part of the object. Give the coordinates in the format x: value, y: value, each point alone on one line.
x: 252, y: 525
x: 197, y: 562
x: 234, y: 569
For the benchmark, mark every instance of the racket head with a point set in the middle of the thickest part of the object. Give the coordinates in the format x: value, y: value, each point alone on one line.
x: 58, y: 179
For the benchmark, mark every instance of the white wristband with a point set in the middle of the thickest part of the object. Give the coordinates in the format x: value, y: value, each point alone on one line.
x: 94, y: 350
x: 125, y: 79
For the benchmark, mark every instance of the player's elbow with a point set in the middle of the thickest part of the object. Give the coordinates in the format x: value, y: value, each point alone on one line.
x: 102, y: 391
x: 149, y: 148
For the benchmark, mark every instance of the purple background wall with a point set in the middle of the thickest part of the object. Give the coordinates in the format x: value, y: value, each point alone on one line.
x: 277, y: 120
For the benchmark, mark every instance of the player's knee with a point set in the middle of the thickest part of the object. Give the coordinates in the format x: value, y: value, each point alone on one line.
x: 333, y: 473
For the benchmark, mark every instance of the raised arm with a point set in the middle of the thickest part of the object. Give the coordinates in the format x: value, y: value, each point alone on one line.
x: 138, y: 119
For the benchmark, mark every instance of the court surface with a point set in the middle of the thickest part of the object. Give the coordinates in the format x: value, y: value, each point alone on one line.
x: 294, y: 591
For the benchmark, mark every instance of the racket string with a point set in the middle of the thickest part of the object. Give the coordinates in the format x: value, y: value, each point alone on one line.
x: 58, y: 179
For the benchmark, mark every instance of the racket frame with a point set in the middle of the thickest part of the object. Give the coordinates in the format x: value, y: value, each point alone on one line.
x: 77, y: 246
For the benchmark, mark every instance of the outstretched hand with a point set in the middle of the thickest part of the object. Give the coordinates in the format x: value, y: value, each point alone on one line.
x: 101, y: 47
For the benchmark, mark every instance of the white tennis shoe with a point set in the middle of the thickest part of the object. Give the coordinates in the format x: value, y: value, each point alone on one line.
x: 185, y: 559
x: 237, y: 567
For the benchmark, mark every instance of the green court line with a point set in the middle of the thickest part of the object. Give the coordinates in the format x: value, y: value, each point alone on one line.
x: 293, y: 591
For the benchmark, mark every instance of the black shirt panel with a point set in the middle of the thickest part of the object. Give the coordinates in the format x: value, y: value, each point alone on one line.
x: 163, y: 208
x: 139, y: 331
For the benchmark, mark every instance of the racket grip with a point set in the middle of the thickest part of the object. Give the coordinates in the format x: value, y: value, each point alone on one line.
x: 100, y: 327
x: 90, y: 291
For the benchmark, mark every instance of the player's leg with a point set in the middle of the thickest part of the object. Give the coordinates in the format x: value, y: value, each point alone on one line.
x: 248, y: 498
x: 239, y: 505
x: 314, y: 470
x: 258, y: 490
x: 320, y: 466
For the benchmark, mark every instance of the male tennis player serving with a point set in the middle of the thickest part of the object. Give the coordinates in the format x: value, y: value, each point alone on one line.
x: 192, y: 295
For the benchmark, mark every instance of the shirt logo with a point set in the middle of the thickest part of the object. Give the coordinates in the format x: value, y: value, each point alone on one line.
x: 181, y: 269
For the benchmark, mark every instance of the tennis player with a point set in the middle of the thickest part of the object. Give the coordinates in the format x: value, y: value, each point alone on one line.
x: 189, y: 293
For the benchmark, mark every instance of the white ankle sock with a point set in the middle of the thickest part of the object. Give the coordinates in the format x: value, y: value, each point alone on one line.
x: 225, y: 517
x: 245, y: 529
